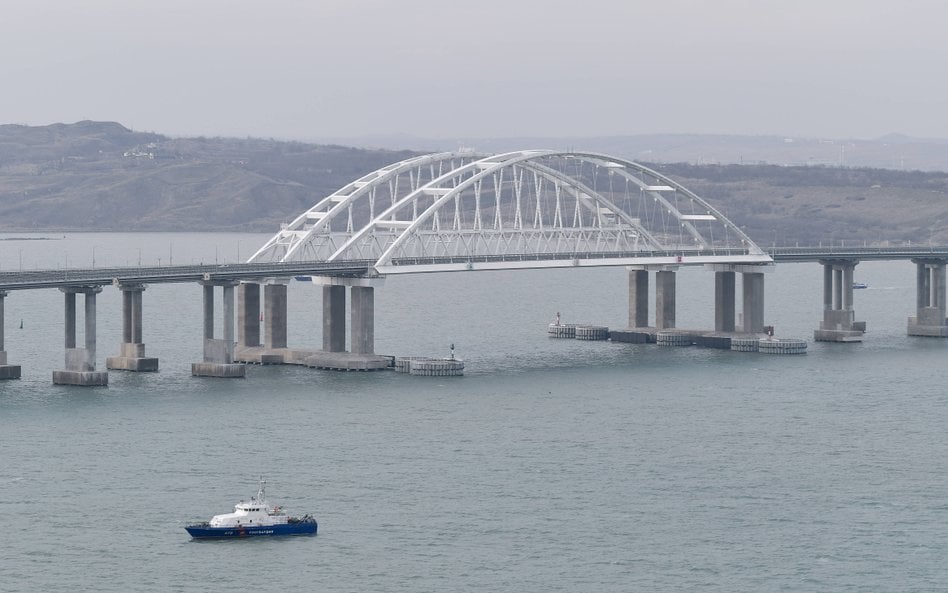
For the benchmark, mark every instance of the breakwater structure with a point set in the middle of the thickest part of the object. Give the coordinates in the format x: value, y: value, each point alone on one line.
x: 466, y: 212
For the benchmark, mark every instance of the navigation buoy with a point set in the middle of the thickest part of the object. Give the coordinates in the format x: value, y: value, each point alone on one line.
x: 21, y: 323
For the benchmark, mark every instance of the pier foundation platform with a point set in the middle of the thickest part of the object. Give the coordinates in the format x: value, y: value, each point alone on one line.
x: 318, y: 359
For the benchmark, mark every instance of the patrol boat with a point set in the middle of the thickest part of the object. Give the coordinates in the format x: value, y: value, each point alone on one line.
x: 254, y: 518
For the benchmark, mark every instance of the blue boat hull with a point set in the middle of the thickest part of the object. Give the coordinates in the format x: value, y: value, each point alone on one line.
x: 301, y: 528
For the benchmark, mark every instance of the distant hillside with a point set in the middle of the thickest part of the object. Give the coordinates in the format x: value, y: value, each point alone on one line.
x: 890, y: 152
x: 813, y: 205
x: 102, y: 176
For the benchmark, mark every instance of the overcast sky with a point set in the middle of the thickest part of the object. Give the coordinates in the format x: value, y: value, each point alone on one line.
x: 490, y: 68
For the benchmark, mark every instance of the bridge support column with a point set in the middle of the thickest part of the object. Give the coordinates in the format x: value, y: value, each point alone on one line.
x: 638, y: 297
x: 930, y: 301
x: 7, y: 371
x: 752, y: 297
x: 839, y: 323
x: 665, y: 299
x: 334, y: 318
x: 248, y: 315
x: 724, y: 298
x: 132, y: 350
x: 218, y: 353
x: 753, y: 289
x: 363, y: 320
x: 361, y: 356
x: 80, y: 362
x: 274, y: 318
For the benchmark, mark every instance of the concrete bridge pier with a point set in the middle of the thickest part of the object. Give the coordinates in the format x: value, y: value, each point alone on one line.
x: 218, y: 353
x: 362, y: 322
x: 929, y: 319
x: 839, y: 323
x: 80, y: 362
x: 273, y: 348
x: 7, y: 371
x: 752, y: 297
x: 361, y: 354
x: 752, y: 287
x: 132, y: 350
x: 248, y: 315
x: 334, y: 318
x: 664, y: 297
x: 724, y: 299
x: 638, y: 297
x: 274, y: 316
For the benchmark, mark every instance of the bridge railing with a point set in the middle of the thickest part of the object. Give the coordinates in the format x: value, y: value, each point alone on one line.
x: 815, y: 253
x: 565, y: 256
x: 13, y: 280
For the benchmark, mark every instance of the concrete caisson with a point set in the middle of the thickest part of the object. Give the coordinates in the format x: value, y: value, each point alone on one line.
x: 566, y: 330
x: 592, y: 332
x: 745, y: 344
x: 782, y: 346
x: 671, y: 337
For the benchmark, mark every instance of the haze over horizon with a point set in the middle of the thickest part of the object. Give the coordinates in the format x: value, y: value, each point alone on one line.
x: 299, y: 70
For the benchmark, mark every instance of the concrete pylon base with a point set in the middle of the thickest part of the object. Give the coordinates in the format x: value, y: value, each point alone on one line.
x: 634, y: 335
x: 136, y: 364
x: 81, y: 378
x: 345, y: 361
x: 319, y: 359
x: 9, y: 371
x: 929, y: 331
x: 837, y: 335
x: 218, y: 369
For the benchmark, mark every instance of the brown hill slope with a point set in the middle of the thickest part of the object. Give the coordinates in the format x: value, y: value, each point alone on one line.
x: 103, y: 176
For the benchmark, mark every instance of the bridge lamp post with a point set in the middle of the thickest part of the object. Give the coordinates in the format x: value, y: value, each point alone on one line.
x: 93, y: 257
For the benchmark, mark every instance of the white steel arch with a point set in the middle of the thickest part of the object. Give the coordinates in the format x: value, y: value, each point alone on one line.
x: 315, y: 224
x: 534, y: 208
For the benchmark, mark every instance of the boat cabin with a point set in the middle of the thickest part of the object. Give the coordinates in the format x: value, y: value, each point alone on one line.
x: 255, y: 512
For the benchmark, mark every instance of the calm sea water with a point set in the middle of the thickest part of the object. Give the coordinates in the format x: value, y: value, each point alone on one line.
x: 553, y: 465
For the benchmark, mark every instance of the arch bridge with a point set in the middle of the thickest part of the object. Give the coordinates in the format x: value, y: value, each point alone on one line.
x: 457, y: 211
x: 534, y: 208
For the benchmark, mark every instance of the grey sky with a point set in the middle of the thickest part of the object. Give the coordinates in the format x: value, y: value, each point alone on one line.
x: 317, y: 68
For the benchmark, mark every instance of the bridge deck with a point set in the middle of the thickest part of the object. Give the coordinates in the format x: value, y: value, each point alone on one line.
x: 63, y: 277
x: 814, y: 254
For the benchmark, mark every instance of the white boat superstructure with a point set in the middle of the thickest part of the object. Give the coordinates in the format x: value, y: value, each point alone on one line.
x: 256, y: 512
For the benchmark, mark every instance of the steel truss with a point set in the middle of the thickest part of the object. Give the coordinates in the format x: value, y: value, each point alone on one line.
x: 535, y: 206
